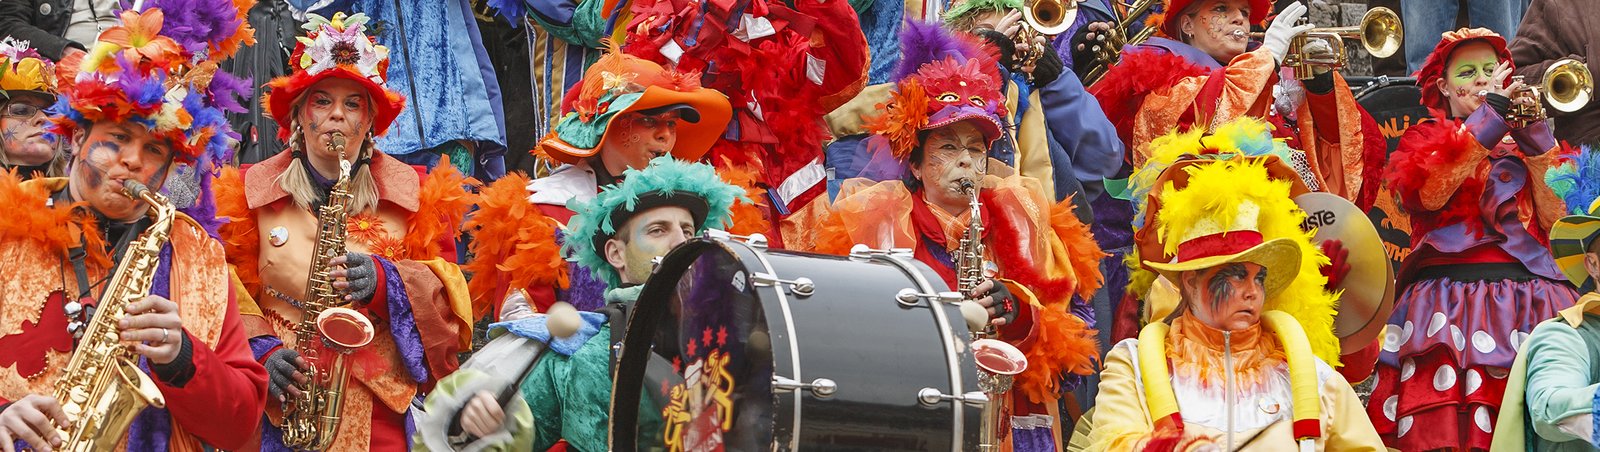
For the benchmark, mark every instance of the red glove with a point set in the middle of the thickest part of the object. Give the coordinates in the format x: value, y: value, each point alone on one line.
x: 1338, y: 262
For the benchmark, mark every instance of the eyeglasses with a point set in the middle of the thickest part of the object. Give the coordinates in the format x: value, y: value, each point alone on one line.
x: 22, y: 110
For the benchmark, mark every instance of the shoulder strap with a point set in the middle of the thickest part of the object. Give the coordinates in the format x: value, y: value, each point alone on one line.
x: 617, y: 318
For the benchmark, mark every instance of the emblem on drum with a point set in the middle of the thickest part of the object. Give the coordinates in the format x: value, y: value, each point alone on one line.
x: 700, y: 409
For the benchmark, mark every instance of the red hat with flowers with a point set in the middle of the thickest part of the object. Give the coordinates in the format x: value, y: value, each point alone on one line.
x: 1433, y: 68
x: 337, y: 47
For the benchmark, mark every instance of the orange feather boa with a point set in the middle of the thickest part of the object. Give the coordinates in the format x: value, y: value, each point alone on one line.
x: 513, y: 244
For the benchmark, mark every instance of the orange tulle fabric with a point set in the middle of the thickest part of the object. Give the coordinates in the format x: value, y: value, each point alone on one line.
x: 28, y: 220
x: 241, y: 233
x: 748, y: 218
x: 513, y: 244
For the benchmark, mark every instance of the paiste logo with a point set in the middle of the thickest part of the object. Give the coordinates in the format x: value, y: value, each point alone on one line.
x: 1318, y: 219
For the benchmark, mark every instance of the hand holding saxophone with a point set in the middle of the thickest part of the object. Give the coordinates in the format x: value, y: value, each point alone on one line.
x: 356, y: 277
x: 153, y: 329
x: 996, y: 300
x: 32, y: 419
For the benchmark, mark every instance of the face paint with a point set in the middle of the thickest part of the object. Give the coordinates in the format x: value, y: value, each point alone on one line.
x: 115, y: 152
x: 1229, y: 297
x: 950, y: 154
x: 632, y: 139
x: 334, y: 105
x: 1469, y: 70
x: 24, y: 141
x: 652, y: 234
x: 1220, y: 28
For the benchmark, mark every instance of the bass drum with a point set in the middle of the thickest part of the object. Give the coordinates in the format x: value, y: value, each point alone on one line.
x: 1396, y: 104
x: 735, y: 347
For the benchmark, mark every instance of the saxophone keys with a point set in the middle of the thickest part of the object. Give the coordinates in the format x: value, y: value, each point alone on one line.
x: 73, y: 308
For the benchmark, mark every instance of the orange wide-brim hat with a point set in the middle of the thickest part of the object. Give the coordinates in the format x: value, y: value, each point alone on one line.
x: 694, y: 137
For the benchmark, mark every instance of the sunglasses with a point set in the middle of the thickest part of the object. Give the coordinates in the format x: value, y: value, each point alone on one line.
x: 22, y: 110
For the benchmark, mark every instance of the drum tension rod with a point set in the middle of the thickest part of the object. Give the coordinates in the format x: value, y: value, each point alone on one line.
x: 862, y: 251
x: 801, y: 287
x: 756, y: 240
x: 930, y: 397
x: 822, y: 388
x: 909, y: 297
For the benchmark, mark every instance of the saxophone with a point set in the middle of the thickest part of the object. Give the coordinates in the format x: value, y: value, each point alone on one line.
x: 996, y: 360
x: 102, y: 388
x: 311, y: 420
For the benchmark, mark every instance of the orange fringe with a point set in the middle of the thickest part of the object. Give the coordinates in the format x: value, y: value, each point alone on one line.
x: 442, y: 201
x: 748, y: 218
x: 241, y: 235
x: 513, y: 244
x: 1062, y: 344
x: 56, y: 228
x: 1083, y: 253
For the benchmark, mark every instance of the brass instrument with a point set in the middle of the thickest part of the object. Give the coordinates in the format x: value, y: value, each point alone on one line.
x: 1042, y: 18
x: 996, y: 360
x: 311, y: 420
x: 1380, y: 33
x: 1111, y: 50
x: 102, y: 388
x: 1567, y: 85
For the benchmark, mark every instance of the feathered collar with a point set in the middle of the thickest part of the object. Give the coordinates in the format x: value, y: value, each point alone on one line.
x: 397, y: 181
x: 1197, y: 350
x: 56, y: 226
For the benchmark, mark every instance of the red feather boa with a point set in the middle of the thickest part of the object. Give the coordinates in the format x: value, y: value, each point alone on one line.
x: 1427, y: 150
x: 1141, y: 72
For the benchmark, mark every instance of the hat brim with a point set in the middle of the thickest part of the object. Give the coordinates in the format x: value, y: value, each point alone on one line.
x: 694, y: 138
x: 1280, y: 256
x: 986, y: 123
x: 697, y: 207
x: 285, y: 90
x: 1569, y: 242
x: 19, y: 93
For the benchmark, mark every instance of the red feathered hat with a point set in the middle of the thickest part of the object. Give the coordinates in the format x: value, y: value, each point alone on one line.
x: 335, y: 48
x: 1258, y: 12
x: 1433, y: 68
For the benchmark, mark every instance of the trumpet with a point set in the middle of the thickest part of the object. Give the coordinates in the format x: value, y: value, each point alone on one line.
x: 1566, y: 85
x: 1111, y: 50
x: 1043, y: 18
x: 1380, y: 33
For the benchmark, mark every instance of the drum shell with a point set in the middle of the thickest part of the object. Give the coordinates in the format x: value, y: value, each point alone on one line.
x: 849, y: 330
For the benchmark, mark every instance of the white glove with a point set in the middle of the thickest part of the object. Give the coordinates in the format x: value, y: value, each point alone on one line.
x: 1283, y: 30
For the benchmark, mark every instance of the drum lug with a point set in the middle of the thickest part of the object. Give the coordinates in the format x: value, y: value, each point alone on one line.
x: 755, y: 240
x: 909, y: 297
x: 930, y: 397
x: 801, y: 287
x: 822, y: 388
x: 862, y: 251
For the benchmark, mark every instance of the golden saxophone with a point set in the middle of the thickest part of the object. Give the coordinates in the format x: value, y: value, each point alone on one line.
x: 996, y: 360
x: 311, y: 420
x: 102, y: 388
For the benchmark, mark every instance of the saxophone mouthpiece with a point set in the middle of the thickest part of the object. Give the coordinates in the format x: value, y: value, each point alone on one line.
x: 968, y: 184
x: 133, y: 189
x: 336, y: 140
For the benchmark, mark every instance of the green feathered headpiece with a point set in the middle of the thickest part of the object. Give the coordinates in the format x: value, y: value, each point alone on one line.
x: 965, y: 8
x: 666, y: 182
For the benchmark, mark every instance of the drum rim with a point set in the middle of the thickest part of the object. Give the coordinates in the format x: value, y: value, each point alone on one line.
x: 793, y: 339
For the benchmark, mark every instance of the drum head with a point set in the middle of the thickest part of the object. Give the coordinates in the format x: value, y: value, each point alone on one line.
x: 707, y: 379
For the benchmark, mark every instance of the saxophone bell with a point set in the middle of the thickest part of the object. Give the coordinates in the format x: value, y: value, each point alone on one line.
x: 344, y: 328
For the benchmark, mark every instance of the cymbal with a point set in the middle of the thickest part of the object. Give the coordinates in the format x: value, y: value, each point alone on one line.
x: 1368, y: 290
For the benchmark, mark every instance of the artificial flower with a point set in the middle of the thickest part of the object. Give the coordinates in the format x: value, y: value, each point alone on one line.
x: 140, y: 38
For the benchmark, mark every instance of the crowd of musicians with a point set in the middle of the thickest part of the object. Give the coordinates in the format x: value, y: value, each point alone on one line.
x: 1119, y: 194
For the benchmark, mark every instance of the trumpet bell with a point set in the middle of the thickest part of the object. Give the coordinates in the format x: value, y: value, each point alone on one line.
x: 1381, y: 32
x: 1051, y: 17
x: 1568, y: 85
x: 998, y: 357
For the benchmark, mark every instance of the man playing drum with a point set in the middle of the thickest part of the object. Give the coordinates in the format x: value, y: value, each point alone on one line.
x: 566, y: 392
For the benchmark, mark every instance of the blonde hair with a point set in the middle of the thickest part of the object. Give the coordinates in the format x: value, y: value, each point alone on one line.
x: 296, y: 181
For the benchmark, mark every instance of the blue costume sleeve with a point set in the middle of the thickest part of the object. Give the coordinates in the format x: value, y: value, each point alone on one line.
x: 1081, y: 128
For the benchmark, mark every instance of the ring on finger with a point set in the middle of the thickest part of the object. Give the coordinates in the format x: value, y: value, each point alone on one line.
x: 164, y: 333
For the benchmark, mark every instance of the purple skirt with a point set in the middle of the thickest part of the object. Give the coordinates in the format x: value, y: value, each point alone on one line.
x: 1479, y: 323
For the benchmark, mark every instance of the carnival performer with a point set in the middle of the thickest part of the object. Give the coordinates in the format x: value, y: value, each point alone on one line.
x: 401, y: 227
x: 1171, y: 82
x: 625, y: 112
x: 1552, y: 386
x: 1229, y: 369
x: 934, y: 136
x: 1477, y: 280
x: 28, y: 82
x: 564, y: 380
x: 143, y: 102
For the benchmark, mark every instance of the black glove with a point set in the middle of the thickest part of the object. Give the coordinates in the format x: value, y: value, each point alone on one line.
x: 283, y: 372
x: 1084, y: 59
x: 1048, y: 68
x: 1001, y: 42
x: 362, y: 275
x: 1005, y: 304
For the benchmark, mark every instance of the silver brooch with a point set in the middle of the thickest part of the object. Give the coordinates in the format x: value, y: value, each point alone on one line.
x: 278, y: 235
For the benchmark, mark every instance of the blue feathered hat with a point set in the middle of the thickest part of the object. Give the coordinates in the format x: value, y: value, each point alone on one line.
x: 1577, y: 182
x: 666, y: 182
